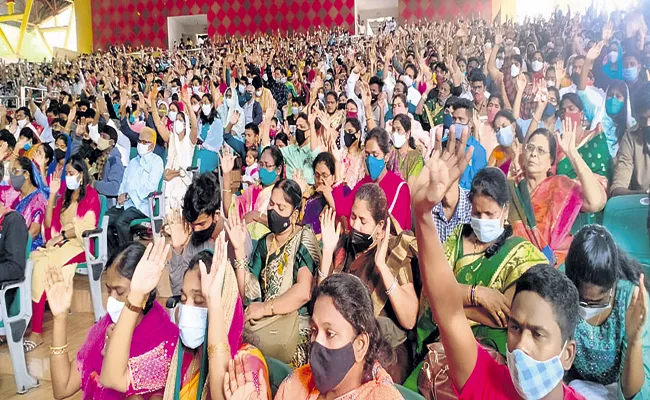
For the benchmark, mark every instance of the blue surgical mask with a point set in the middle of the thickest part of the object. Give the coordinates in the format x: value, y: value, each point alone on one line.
x: 630, y: 74
x: 380, y: 74
x: 116, y: 108
x: 505, y: 136
x: 614, y: 105
x: 549, y: 110
x: 268, y: 177
x: 375, y: 166
x: 531, y: 378
x: 459, y: 129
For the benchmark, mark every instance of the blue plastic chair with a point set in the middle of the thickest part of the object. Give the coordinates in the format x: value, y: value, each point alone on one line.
x: 625, y: 217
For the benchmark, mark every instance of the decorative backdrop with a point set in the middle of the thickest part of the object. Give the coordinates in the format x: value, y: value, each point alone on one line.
x: 413, y: 10
x: 144, y: 22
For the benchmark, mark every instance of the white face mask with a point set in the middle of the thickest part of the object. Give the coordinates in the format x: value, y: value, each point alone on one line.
x: 192, y: 322
x: 550, y: 83
x: 207, y: 109
x: 72, y: 182
x: 499, y: 63
x: 196, y: 107
x: 143, y: 149
x: 242, y: 88
x: 321, y: 96
x: 514, y: 70
x: 537, y: 65
x: 196, y: 89
x: 613, y: 56
x: 399, y: 140
x: 174, y: 90
x: 258, y: 93
x: 179, y: 127
x: 173, y: 115
x: 230, y: 102
x: 487, y: 230
x: 588, y: 313
x: 22, y: 123
x: 114, y: 308
x: 408, y: 81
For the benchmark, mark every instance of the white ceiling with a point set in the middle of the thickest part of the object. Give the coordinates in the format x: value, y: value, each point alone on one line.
x: 363, y: 5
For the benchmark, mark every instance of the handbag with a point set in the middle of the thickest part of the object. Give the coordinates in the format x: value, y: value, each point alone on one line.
x: 434, y: 382
x: 277, y: 336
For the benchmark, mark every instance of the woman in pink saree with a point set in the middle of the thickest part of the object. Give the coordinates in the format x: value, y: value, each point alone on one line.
x: 398, y: 195
x: 211, y: 323
x: 149, y: 354
x: 545, y: 206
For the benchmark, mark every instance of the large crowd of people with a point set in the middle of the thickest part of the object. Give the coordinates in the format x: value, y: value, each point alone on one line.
x: 372, y: 212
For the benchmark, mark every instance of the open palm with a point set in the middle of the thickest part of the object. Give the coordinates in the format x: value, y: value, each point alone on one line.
x: 212, y: 282
x: 148, y: 271
x: 443, y: 168
x: 58, y: 291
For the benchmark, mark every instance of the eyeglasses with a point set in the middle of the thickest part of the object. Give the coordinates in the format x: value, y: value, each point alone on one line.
x: 144, y: 142
x: 531, y: 148
x: 318, y: 176
x: 599, y: 303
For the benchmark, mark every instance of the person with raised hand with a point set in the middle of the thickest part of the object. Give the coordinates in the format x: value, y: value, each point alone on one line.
x: 542, y: 319
x: 152, y: 336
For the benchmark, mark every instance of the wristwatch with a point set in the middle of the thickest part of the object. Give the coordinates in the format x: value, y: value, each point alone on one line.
x: 133, y: 308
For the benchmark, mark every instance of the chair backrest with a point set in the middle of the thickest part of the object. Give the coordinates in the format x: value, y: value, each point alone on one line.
x: 103, y: 205
x: 28, y: 250
x: 625, y: 218
x: 133, y: 153
x: 278, y: 372
x: 408, y: 394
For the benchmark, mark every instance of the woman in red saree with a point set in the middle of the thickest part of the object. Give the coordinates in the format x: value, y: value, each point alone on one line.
x: 398, y: 195
x: 347, y: 352
x: 545, y: 206
x: 149, y: 354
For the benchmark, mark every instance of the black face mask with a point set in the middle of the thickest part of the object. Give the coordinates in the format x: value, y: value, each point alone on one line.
x: 375, y: 97
x: 330, y: 366
x: 359, y: 242
x: 278, y: 223
x: 300, y: 137
x: 59, y: 154
x: 203, y: 236
x: 341, y: 106
x: 349, y: 139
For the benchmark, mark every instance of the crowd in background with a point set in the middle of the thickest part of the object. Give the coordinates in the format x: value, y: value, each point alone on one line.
x: 351, y: 207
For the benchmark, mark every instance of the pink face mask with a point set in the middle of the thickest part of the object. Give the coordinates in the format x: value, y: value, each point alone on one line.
x: 352, y: 114
x: 491, y: 113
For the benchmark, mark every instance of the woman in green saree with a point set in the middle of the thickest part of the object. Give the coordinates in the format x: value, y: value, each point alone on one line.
x: 487, y: 261
x: 278, y: 278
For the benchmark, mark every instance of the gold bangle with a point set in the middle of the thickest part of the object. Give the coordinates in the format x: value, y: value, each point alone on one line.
x: 55, y: 351
x: 227, y: 190
x: 241, y: 264
x: 214, y: 349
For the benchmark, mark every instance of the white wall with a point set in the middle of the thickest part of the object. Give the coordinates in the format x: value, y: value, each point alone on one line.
x: 184, y: 26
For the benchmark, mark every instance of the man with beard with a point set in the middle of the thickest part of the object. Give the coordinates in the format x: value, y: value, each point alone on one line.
x: 196, y: 226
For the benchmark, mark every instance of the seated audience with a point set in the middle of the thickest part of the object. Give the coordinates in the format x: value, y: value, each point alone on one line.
x: 388, y: 275
x: 13, y: 243
x: 320, y: 195
x: 109, y: 171
x: 66, y: 219
x: 152, y: 342
x: 141, y: 178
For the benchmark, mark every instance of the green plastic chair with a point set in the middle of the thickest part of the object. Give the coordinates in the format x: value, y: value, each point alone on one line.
x: 133, y: 153
x: 278, y: 372
x: 408, y: 394
x: 625, y: 217
x: 586, y: 219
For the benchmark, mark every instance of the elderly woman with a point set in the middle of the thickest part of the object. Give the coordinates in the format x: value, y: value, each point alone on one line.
x: 387, y: 274
x: 545, y: 206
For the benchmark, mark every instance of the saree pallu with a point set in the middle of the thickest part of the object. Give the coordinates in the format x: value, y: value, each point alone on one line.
x: 254, y: 198
x: 314, y: 207
x: 546, y: 216
x: 596, y: 154
x: 301, y: 386
x: 153, y: 343
x: 401, y: 260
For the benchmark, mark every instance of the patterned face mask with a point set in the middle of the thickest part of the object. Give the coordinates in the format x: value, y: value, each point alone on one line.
x: 531, y: 378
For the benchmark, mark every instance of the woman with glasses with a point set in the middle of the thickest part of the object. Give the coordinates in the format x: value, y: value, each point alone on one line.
x: 545, y: 205
x: 612, y: 339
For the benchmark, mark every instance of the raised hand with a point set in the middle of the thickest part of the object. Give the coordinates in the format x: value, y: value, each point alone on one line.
x: 330, y: 230
x: 59, y: 292
x: 299, y: 178
x: 234, y: 118
x: 148, y: 271
x: 595, y: 51
x: 55, y: 182
x: 382, y: 250
x: 608, y: 31
x: 236, y: 229
x: 179, y: 229
x: 567, y: 140
x: 521, y: 83
x: 636, y: 313
x: 212, y: 282
x: 441, y: 171
x: 241, y: 383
